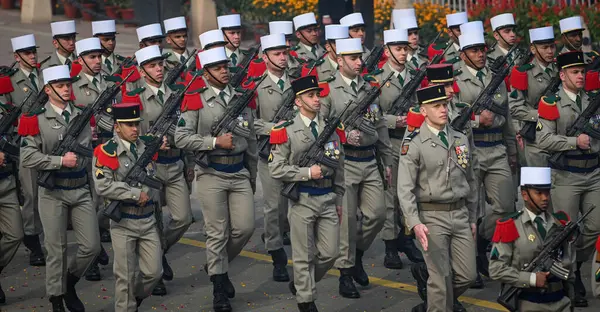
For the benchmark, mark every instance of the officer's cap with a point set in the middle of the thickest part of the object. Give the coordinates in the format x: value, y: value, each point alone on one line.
x: 305, y: 20
x: 57, y: 73
x: 63, y: 29
x: 213, y: 57
x: 305, y: 84
x: 440, y: 73
x: 229, y: 22
x: 570, y: 59
x: 273, y: 41
x: 429, y: 95
x: 175, y: 24
x: 352, y: 20
x: 542, y: 35
x: 570, y: 24
x: 149, y: 32
x: 285, y: 27
x: 23, y: 43
x: 456, y: 19
x: 106, y: 28
x: 536, y: 177
x: 211, y: 38
x: 502, y: 21
x: 88, y: 45
x: 395, y: 36
x: 126, y: 112
x: 148, y: 54
x: 334, y: 32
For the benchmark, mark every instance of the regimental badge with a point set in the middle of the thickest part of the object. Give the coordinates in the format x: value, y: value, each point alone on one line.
x: 25, y: 89
x: 462, y: 155
x: 243, y: 120
x: 372, y: 113
x: 531, y: 237
x: 595, y: 122
x: 270, y: 157
x: 332, y: 150
x: 99, y: 174
x: 539, y: 126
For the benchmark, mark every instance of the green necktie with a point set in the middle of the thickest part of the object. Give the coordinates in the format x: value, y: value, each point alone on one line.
x: 95, y: 82
x: 442, y: 136
x: 280, y: 84
x: 108, y: 65
x: 133, y: 150
x: 401, y: 80
x: 160, y: 97
x: 313, y: 50
x: 313, y: 129
x: 353, y: 85
x: 33, y: 79
x: 540, y: 226
x: 233, y: 59
x: 415, y: 62
x: 68, y: 62
x: 480, y: 75
x: 222, y: 96
x: 578, y: 101
x: 67, y: 115
x: 548, y: 71
x: 182, y: 59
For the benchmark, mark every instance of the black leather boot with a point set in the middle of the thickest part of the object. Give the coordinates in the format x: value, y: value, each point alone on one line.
x: 57, y: 304
x: 229, y: 289
x: 160, y: 289
x: 72, y: 301
x: 406, y: 244
x: 458, y: 307
x: 360, y: 276
x: 36, y: 255
x: 479, y: 284
x: 167, y: 271
x: 392, y: 260
x: 420, y: 274
x: 102, y: 256
x: 347, y: 288
x: 579, y: 301
x: 286, y: 238
x: 93, y: 273
x: 105, y: 236
x: 220, y: 299
x: 292, y: 287
x: 481, y: 258
x: 307, y: 307
x: 280, y: 273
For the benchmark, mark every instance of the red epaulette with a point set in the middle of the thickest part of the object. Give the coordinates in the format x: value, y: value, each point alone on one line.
x: 433, y: 52
x: 306, y: 69
x: 134, y: 77
x: 455, y: 87
x: 126, y: 98
x: 257, y: 68
x: 106, y: 159
x: 562, y: 217
x: 28, y: 125
x: 414, y: 119
x: 506, y: 231
x: 341, y: 132
x: 518, y: 79
x: 547, y: 108
x: 6, y: 85
x: 382, y: 61
x: 325, y: 87
x: 75, y: 69
x: 294, y: 53
x: 192, y: 101
x: 592, y: 80
x: 279, y: 134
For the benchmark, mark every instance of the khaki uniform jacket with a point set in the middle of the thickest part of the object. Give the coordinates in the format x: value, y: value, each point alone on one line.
x: 453, y: 56
x: 421, y: 59
x: 22, y: 87
x: 326, y: 69
x: 36, y: 150
x: 54, y: 60
x: 194, y: 134
x: 85, y: 91
x: 269, y: 99
x: 340, y: 95
x: 523, y: 104
x: 116, y: 61
x: 507, y: 260
x: 306, y: 54
x: 285, y: 156
x: 432, y: 173
x: 390, y: 92
x: 172, y: 60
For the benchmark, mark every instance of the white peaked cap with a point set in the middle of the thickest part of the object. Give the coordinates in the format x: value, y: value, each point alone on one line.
x: 304, y: 20
x: 284, y: 27
x: 149, y: 32
x: 348, y: 46
x: 23, y: 42
x: 469, y: 39
x: 273, y: 41
x: 213, y: 56
x: 405, y: 22
x: 536, y: 176
x: 506, y: 19
x: 229, y: 21
x: 148, y: 53
x: 403, y: 13
x: 541, y: 34
x: 456, y: 19
x: 56, y: 73
x: 104, y: 27
x: 472, y: 27
x: 352, y: 20
x: 333, y: 32
x: 175, y: 23
x: 570, y: 24
x: 63, y: 28
x: 395, y: 36
x: 87, y: 45
x: 211, y: 37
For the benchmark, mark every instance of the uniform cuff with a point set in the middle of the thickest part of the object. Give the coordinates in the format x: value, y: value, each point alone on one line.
x: 56, y: 162
x: 135, y: 193
x: 214, y: 143
x: 572, y: 142
x: 390, y: 121
x: 309, y: 175
x: 524, y: 280
x: 532, y: 280
x: 475, y: 123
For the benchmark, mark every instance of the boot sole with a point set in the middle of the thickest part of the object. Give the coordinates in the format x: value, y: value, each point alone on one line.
x: 350, y: 296
x: 281, y: 279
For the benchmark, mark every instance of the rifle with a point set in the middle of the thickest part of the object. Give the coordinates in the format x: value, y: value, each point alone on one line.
x: 316, y: 154
x: 355, y: 119
x: 499, y: 63
x: 373, y: 59
x: 581, y: 125
x: 128, y: 62
x: 7, y: 70
x: 10, y: 148
x: 242, y: 68
x: 545, y: 261
x: 176, y: 72
x: 69, y: 141
x: 228, y: 122
x: 137, y: 175
x: 593, y: 65
x: 528, y: 131
x: 285, y: 112
x: 485, y: 99
x: 298, y: 71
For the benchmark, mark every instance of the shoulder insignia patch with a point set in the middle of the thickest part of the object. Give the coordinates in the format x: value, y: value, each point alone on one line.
x: 406, y: 142
x: 137, y: 91
x: 99, y: 174
x: 514, y: 94
x: 328, y: 79
x: 453, y: 60
x: 75, y: 79
x: 295, y: 48
x: 376, y: 72
x: 547, y: 108
x: 181, y: 122
x: 495, y: 254
x: 457, y: 72
x: 562, y: 217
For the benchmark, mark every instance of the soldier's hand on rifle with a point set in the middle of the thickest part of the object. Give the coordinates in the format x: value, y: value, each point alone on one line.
x: 353, y: 138
x: 165, y: 144
x: 486, y: 118
x: 541, y: 279
x: 143, y: 199
x: 315, y: 172
x: 583, y: 141
x: 69, y: 160
x: 400, y: 121
x: 421, y: 232
x: 225, y: 141
x: 2, y: 159
x: 388, y: 175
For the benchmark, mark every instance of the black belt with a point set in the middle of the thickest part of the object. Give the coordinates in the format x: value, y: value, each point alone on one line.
x: 359, y: 153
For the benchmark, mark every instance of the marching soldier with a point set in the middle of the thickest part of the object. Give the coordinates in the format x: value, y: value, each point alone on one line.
x: 177, y: 38
x: 528, y: 82
x: 307, y: 32
x: 41, y: 132
x: 226, y: 186
x: 576, y: 185
x: 315, y: 217
x: 490, y: 134
x: 439, y: 199
x: 135, y: 238
x: 269, y: 100
x: 520, y: 237
x: 106, y: 31
x: 328, y: 66
x: 571, y: 30
x: 452, y: 56
x: 406, y: 19
x: 150, y: 35
x: 356, y: 29
x: 364, y: 183
x: 231, y: 25
x: 169, y: 165
x: 396, y: 51
x: 503, y: 27
x: 28, y: 78
x: 63, y: 39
